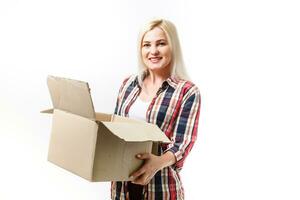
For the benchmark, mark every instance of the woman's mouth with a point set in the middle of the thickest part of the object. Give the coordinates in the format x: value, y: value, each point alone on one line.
x: 155, y: 59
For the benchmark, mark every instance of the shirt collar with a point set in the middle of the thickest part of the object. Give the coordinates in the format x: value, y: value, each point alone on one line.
x: 171, y: 81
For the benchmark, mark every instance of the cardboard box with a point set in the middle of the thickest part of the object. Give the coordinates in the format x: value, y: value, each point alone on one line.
x: 95, y: 146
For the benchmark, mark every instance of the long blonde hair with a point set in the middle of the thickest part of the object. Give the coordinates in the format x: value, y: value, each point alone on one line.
x: 177, y: 65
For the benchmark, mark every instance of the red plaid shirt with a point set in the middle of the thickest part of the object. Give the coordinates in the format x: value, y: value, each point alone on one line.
x: 175, y: 110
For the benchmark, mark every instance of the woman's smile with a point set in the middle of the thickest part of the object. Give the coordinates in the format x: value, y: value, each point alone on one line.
x: 155, y: 59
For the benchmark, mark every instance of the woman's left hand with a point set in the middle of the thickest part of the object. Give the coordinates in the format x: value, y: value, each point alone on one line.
x: 152, y: 164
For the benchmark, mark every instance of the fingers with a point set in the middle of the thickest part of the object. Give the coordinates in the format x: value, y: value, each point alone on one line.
x: 138, y: 173
x: 142, y: 180
x: 143, y: 156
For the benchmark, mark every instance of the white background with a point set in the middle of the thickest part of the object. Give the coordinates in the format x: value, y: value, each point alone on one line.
x: 243, y: 55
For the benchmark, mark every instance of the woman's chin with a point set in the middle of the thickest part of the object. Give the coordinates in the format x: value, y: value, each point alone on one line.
x: 156, y: 67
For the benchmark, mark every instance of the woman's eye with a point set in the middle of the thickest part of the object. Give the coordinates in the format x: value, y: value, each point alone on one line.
x: 146, y: 45
x: 162, y: 44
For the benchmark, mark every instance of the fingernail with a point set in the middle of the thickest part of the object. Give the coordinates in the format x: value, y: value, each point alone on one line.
x: 138, y: 155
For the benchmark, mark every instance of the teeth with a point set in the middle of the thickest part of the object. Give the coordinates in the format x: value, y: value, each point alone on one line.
x: 154, y: 59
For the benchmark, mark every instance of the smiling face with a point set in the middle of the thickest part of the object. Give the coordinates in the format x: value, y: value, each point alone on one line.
x: 156, y: 51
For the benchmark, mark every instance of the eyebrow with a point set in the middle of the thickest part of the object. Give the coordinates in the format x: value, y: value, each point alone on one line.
x: 160, y: 40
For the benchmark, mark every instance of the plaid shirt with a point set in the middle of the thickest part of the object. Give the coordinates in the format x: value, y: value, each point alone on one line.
x: 175, y: 110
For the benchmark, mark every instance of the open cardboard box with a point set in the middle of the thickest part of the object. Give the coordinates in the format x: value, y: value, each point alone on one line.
x: 95, y: 146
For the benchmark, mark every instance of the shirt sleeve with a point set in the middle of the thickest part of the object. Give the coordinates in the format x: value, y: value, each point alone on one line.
x: 185, y: 128
x: 119, y: 95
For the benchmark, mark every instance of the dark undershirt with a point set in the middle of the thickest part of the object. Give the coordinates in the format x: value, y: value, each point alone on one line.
x: 135, y: 191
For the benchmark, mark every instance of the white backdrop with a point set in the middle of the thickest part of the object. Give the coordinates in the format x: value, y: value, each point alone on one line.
x: 243, y: 55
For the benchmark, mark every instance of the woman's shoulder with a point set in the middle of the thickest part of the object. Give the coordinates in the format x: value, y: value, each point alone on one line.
x: 186, y: 86
x: 129, y: 79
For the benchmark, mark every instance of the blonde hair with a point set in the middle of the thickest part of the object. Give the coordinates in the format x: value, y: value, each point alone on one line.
x: 177, y: 65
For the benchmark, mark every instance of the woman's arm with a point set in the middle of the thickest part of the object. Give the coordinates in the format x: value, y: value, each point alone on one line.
x: 186, y: 127
x: 117, y: 106
x: 185, y: 133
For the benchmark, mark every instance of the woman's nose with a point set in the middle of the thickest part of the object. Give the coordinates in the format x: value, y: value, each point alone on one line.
x: 154, y: 50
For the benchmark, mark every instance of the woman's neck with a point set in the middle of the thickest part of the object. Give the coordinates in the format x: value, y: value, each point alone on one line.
x: 157, y: 78
x: 151, y: 84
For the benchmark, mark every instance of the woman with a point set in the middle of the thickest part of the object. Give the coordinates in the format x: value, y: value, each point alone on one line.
x: 161, y: 94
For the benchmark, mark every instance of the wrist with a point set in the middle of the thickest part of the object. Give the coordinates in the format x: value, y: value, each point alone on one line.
x: 167, y: 159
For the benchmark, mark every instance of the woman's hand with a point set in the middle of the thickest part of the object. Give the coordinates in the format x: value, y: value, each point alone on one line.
x: 151, y: 165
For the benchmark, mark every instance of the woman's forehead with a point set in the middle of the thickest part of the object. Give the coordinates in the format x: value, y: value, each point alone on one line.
x: 154, y: 35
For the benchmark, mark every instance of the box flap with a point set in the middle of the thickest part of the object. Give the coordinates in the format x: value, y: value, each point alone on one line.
x: 71, y: 95
x: 136, y: 132
x: 48, y: 111
x: 103, y: 117
x: 118, y: 118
